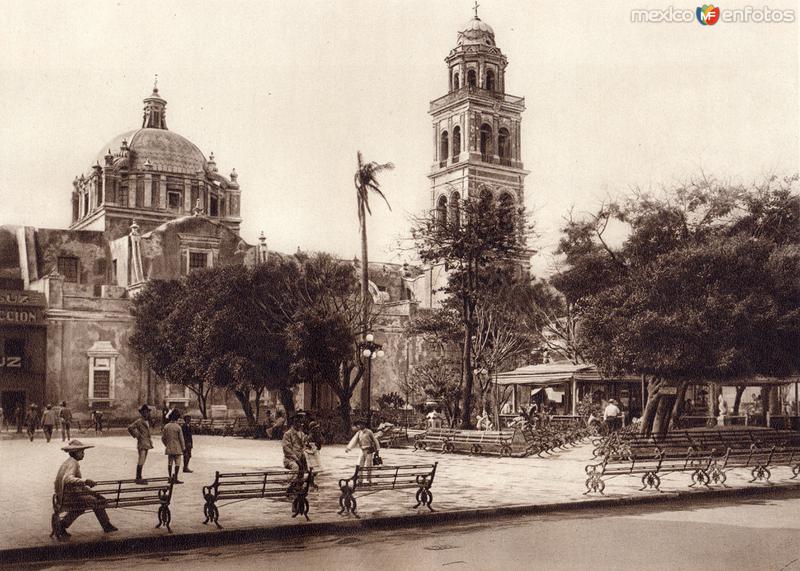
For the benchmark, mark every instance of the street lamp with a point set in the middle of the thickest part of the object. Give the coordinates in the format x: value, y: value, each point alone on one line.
x: 370, y: 351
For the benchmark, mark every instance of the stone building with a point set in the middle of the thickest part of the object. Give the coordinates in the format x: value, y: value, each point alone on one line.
x: 152, y: 206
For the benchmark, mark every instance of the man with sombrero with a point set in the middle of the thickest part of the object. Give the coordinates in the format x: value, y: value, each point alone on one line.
x: 81, y: 497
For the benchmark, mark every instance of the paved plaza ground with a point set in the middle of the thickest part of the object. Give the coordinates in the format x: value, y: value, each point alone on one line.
x: 462, y: 483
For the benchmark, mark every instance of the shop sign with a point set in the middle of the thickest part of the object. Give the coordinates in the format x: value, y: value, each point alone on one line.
x: 11, y: 362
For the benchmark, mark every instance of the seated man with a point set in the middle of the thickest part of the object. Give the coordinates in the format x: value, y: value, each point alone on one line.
x: 276, y: 430
x: 81, y: 498
x: 294, y: 445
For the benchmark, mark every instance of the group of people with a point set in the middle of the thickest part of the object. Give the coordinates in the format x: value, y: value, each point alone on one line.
x: 52, y: 419
x: 176, y: 435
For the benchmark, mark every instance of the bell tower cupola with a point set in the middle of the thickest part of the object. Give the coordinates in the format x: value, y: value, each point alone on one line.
x: 155, y: 110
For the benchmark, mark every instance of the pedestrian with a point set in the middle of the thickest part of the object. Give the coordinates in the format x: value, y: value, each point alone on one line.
x: 314, y: 442
x: 66, y: 421
x: 366, y: 441
x: 82, y: 497
x: 612, y: 415
x: 294, y: 446
x: 174, y: 445
x: 276, y: 430
x: 97, y: 419
x: 32, y: 421
x: 186, y: 428
x: 140, y: 430
x: 49, y: 420
x: 19, y: 417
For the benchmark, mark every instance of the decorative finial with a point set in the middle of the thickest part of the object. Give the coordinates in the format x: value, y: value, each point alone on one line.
x: 211, y: 157
x: 134, y: 228
x: 147, y: 164
x: 262, y: 238
x: 155, y: 83
x: 234, y: 175
x: 475, y: 7
x: 198, y: 209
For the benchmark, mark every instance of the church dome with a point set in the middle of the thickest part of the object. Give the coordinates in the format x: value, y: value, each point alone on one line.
x: 476, y: 31
x: 157, y: 149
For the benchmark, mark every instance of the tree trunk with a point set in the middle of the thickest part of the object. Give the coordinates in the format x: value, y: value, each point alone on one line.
x: 344, y: 414
x: 677, y: 409
x: 466, y: 412
x: 259, y: 392
x: 738, y: 400
x: 201, y: 400
x: 364, y: 269
x: 287, y: 400
x: 649, y: 414
x: 663, y: 414
x: 244, y: 399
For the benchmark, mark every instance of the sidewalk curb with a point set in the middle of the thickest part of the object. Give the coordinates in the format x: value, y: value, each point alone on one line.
x: 177, y: 542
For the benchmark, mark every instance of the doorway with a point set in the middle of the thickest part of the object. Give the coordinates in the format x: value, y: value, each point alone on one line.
x: 9, y: 401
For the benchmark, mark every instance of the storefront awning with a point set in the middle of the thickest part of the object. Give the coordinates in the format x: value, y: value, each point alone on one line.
x: 543, y: 375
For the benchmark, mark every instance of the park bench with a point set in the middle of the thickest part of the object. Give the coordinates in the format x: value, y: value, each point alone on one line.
x: 433, y: 437
x: 122, y: 494
x: 277, y: 484
x: 239, y: 427
x: 503, y: 443
x: 393, y: 436
x: 650, y: 469
x: 373, y: 479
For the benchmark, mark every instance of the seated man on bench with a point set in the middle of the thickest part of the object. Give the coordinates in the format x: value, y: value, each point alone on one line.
x: 69, y: 480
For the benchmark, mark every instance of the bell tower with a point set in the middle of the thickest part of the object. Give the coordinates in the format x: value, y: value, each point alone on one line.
x: 476, y: 127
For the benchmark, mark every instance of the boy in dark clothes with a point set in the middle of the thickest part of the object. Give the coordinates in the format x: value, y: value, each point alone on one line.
x: 187, y: 440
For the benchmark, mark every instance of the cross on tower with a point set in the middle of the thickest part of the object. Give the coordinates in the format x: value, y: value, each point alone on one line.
x: 475, y: 7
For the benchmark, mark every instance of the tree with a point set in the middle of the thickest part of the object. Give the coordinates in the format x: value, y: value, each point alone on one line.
x: 437, y: 380
x: 703, y: 288
x: 481, y: 246
x: 319, y: 308
x: 163, y: 335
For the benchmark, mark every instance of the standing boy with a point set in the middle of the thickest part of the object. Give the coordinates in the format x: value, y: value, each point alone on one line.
x: 186, y: 428
x: 364, y: 439
x: 140, y: 430
x: 172, y: 437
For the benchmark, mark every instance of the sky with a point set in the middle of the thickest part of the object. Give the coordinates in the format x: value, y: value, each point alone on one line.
x: 287, y: 92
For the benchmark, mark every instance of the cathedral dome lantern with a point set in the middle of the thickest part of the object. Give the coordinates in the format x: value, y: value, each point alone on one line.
x: 154, y: 175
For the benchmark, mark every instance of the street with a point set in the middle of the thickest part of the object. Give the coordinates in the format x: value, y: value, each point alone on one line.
x: 740, y: 534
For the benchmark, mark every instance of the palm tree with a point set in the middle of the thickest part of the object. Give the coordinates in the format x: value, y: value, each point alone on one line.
x: 365, y: 180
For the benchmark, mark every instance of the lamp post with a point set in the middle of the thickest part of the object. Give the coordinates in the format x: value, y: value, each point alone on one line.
x: 370, y: 350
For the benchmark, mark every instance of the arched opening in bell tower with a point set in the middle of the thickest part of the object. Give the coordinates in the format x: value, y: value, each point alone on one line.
x: 441, y: 212
x: 456, y: 142
x: 486, y: 142
x: 444, y: 148
x: 489, y: 84
x: 456, y: 81
x: 504, y: 145
x: 472, y: 78
x: 455, y: 209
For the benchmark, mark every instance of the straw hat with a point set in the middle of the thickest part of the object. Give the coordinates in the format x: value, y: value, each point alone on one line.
x: 75, y: 445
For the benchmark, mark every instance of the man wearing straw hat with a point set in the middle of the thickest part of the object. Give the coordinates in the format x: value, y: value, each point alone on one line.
x: 82, y: 498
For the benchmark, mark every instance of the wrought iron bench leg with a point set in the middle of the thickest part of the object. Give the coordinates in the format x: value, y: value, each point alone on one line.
x: 424, y: 498
x: 211, y: 511
x: 164, y: 517
x: 300, y: 505
x: 347, y: 501
x: 760, y: 472
x: 650, y: 480
x: 700, y: 476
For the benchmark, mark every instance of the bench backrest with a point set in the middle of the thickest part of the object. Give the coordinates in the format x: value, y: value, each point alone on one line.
x: 393, y: 477
x: 262, y: 484
x: 120, y: 493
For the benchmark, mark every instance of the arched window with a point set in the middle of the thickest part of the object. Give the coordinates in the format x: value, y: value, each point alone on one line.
x: 504, y: 144
x: 441, y: 211
x: 472, y: 78
x: 456, y: 83
x: 456, y: 142
x: 505, y: 212
x: 455, y: 209
x: 489, y: 80
x: 486, y: 142
x: 444, y: 149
